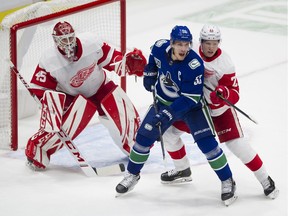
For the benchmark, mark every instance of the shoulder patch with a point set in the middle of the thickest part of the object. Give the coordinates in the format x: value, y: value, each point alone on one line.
x: 159, y: 43
x: 158, y: 62
x: 194, y: 63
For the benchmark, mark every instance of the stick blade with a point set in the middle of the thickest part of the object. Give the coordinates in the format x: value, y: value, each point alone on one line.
x: 110, y: 170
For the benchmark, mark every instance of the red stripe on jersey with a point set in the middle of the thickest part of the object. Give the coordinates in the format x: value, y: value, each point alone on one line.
x: 106, y: 49
x: 43, y: 78
x: 230, y: 81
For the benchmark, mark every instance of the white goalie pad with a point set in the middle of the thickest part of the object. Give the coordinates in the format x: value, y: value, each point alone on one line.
x: 75, y: 119
x: 78, y: 115
x: 122, y: 119
x: 52, y: 111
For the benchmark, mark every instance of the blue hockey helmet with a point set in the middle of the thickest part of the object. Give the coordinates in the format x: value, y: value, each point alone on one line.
x: 181, y: 33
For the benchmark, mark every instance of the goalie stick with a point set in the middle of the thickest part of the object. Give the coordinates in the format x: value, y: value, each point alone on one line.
x: 231, y: 104
x: 71, y: 147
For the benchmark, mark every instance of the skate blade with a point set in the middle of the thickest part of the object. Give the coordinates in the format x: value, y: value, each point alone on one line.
x: 274, y: 194
x: 123, y: 194
x: 119, y: 194
x: 178, y: 181
x: 230, y: 201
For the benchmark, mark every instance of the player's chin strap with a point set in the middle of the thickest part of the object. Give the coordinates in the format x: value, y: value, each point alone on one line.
x: 72, y: 148
x: 231, y: 104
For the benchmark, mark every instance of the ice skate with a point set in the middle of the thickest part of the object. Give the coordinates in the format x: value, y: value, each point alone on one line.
x: 173, y: 176
x: 34, y: 165
x: 269, y: 188
x: 127, y: 184
x: 228, y: 195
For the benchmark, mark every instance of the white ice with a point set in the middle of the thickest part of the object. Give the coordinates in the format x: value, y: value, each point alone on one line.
x: 260, y: 55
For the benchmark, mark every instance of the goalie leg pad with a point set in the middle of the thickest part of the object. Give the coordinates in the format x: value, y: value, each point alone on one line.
x: 121, y: 119
x: 52, y: 111
x: 78, y: 115
x: 37, y: 148
x: 43, y: 144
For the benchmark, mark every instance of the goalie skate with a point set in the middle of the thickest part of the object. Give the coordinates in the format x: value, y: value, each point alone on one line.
x: 173, y: 176
x: 228, y: 195
x: 127, y: 184
x: 34, y: 167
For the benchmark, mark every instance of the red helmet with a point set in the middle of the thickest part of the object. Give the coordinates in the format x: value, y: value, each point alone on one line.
x: 65, y: 39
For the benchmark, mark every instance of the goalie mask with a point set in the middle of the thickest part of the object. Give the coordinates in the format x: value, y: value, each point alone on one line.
x: 65, y: 39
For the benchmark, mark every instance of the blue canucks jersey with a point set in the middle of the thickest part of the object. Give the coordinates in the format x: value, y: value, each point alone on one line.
x: 179, y: 83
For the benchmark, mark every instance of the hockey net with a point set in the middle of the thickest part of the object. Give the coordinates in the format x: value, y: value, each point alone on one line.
x: 27, y: 32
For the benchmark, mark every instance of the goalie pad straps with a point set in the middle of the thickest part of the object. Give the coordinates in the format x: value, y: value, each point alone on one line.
x: 52, y: 111
x: 122, y: 119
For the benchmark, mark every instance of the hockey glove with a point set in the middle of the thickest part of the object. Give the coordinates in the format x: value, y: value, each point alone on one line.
x: 220, y: 90
x: 132, y: 63
x: 163, y: 117
x: 136, y: 62
x: 149, y: 80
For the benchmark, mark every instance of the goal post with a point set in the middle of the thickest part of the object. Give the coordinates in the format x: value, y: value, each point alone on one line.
x: 26, y: 33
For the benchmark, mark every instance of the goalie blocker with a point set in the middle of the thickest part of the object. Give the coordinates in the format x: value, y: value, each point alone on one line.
x: 116, y: 113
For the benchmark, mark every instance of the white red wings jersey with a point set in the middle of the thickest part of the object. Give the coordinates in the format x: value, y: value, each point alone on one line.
x: 220, y: 70
x: 82, y: 76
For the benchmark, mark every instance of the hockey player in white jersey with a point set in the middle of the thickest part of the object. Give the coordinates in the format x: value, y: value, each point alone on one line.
x: 219, y: 75
x: 71, y: 82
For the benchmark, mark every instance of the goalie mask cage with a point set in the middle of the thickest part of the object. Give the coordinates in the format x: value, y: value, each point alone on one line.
x: 27, y: 32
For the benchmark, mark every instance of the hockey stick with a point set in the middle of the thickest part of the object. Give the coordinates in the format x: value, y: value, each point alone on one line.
x: 231, y: 104
x: 159, y: 126
x: 72, y: 148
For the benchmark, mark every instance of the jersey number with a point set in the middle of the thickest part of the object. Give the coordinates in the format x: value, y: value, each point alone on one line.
x: 198, y: 80
x: 41, y: 76
x: 234, y: 80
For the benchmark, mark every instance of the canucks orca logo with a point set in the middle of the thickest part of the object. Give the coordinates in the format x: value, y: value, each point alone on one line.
x: 168, y: 86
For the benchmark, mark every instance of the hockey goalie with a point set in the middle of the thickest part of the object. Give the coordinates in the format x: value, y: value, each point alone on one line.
x: 70, y: 81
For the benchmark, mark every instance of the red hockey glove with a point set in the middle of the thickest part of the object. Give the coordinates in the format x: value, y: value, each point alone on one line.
x: 221, y: 90
x: 135, y: 62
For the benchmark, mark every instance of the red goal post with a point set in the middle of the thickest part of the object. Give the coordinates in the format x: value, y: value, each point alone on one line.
x: 28, y: 33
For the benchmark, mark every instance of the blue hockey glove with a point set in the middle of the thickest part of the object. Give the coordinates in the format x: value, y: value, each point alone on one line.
x: 149, y: 80
x: 163, y: 117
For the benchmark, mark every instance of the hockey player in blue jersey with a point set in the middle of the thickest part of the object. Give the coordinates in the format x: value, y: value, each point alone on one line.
x: 177, y: 73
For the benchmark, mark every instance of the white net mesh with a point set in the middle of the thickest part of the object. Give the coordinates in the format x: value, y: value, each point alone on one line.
x: 104, y: 20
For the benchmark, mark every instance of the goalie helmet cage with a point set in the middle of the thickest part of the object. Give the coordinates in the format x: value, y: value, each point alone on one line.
x: 106, y: 18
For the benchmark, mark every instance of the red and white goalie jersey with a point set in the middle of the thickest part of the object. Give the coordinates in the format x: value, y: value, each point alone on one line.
x: 76, y: 67
x: 57, y: 73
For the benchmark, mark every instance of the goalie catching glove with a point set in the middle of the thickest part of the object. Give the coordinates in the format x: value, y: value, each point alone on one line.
x: 132, y: 63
